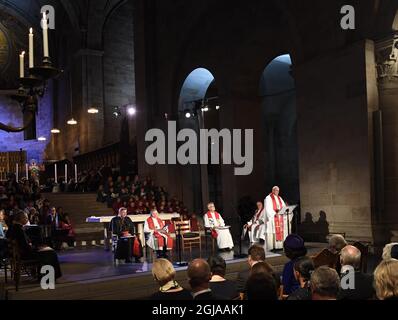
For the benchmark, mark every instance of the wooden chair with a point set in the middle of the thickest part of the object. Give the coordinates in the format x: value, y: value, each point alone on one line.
x: 364, y: 248
x: 188, y: 238
x: 325, y: 258
x: 21, y: 266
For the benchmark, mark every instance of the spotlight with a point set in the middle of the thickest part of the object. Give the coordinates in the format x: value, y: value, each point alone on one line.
x: 55, y: 130
x: 116, y: 112
x: 131, y: 111
x: 41, y: 139
x: 187, y: 115
x: 205, y: 109
x: 218, y: 107
x: 72, y: 122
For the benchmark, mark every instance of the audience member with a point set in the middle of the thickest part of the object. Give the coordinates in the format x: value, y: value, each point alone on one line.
x: 256, y: 254
x: 45, y: 255
x: 325, y: 284
x: 221, y: 287
x: 390, y: 251
x: 163, y: 272
x: 303, y: 268
x: 261, y: 286
x: 199, y: 275
x: 386, y: 280
x: 294, y: 248
x: 350, y: 259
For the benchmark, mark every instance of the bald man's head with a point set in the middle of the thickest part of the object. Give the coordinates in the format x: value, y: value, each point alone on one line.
x: 350, y: 256
x: 199, y: 274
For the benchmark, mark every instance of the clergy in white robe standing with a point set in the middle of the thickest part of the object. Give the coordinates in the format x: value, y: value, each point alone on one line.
x: 277, y: 224
x: 256, y: 227
x: 215, y: 222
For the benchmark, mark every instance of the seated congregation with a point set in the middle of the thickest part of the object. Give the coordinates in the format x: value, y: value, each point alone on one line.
x: 302, y: 278
x: 31, y: 229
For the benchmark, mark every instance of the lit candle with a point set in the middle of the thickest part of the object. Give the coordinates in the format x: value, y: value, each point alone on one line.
x: 27, y: 171
x: 75, y: 172
x: 22, y: 64
x: 16, y: 173
x: 31, y: 59
x: 44, y: 23
x: 66, y: 173
x: 56, y: 174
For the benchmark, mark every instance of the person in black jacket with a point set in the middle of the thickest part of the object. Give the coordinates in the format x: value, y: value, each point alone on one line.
x: 199, y: 275
x: 45, y: 255
x: 350, y: 258
x: 303, y: 268
x: 221, y: 287
x: 128, y: 245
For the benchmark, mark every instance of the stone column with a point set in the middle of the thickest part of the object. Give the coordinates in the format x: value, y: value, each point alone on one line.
x: 334, y: 136
x: 387, y: 72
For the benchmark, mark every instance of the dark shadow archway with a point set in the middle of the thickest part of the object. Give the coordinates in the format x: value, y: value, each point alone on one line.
x: 277, y: 88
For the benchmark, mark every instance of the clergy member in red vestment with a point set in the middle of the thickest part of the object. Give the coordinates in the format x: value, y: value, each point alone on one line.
x: 214, y: 221
x: 158, y: 234
x: 277, y: 225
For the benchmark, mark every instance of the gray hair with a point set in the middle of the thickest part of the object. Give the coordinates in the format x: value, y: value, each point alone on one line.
x: 350, y: 256
x: 387, y: 251
x: 325, y: 282
x: 337, y: 242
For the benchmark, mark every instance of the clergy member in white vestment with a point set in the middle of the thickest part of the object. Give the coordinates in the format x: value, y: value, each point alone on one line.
x: 277, y: 224
x: 213, y: 221
x: 256, y: 227
x: 158, y: 237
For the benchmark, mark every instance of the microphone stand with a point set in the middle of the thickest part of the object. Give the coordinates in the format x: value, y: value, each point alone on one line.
x: 179, y: 263
x: 240, y: 255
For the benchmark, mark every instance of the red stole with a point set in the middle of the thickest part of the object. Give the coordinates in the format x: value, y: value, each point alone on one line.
x: 214, y: 233
x: 151, y: 224
x: 162, y: 241
x: 278, y: 219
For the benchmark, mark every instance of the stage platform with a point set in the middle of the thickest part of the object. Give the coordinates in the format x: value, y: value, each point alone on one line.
x: 91, y: 274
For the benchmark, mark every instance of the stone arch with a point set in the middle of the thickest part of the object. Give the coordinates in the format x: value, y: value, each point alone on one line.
x: 278, y: 91
x: 199, y: 109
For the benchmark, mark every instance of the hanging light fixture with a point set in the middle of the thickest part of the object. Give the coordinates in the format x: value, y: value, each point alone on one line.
x: 72, y: 121
x: 55, y: 130
x: 41, y: 138
x: 93, y: 110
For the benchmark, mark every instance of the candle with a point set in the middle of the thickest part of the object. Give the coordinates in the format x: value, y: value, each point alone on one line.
x: 44, y: 23
x: 27, y: 171
x: 75, y: 172
x: 16, y: 173
x: 66, y: 173
x: 56, y: 174
x: 22, y: 64
x: 31, y: 59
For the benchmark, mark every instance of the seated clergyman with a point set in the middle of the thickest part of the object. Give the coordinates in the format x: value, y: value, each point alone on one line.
x: 214, y: 221
x: 158, y: 237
